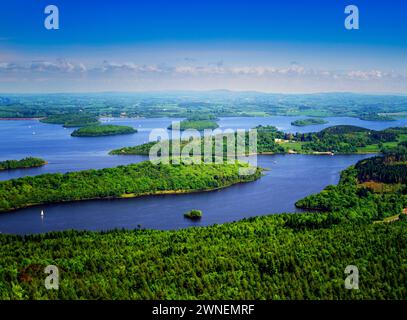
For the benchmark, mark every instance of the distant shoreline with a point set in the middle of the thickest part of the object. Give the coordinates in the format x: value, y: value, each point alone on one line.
x: 21, y: 119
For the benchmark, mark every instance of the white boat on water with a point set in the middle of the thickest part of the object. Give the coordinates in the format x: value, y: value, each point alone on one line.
x: 42, y: 213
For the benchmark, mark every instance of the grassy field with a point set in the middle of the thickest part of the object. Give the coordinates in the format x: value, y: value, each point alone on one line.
x: 375, y: 148
x: 291, y: 145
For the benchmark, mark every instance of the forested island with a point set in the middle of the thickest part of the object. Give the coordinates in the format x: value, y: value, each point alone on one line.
x: 342, y: 139
x: 102, y: 130
x: 199, y: 125
x: 29, y: 162
x: 284, y: 256
x: 193, y: 214
x: 308, y: 122
x: 72, y: 120
x: 128, y: 181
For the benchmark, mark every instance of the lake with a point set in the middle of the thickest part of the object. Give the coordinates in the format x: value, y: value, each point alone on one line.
x: 290, y: 177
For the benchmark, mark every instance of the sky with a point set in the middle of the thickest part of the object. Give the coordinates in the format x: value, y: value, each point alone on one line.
x: 286, y: 46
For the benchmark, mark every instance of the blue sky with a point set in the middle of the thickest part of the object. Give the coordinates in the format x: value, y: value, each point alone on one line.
x: 274, y: 46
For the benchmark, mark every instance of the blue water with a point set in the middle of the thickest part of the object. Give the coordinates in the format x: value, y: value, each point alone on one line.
x: 291, y: 177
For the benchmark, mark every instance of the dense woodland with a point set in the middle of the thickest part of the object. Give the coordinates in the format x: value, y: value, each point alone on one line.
x: 123, y: 181
x: 102, y: 130
x: 29, y: 162
x: 352, y: 198
x: 270, y: 257
x: 391, y: 168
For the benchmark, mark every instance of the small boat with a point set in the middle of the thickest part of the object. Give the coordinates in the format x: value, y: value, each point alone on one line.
x: 42, y: 213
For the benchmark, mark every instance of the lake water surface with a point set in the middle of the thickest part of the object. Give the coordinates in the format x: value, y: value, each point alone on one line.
x: 291, y: 177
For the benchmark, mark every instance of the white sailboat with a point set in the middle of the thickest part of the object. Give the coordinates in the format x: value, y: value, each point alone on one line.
x: 42, y: 213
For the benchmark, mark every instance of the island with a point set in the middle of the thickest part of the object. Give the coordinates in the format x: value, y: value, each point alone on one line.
x: 102, y: 130
x: 199, y: 125
x: 341, y: 139
x: 308, y: 122
x: 277, y: 256
x: 129, y: 181
x: 29, y: 162
x: 71, y: 120
x: 193, y: 214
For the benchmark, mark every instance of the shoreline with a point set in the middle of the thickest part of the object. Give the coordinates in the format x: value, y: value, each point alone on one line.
x: 20, y: 119
x: 266, y: 153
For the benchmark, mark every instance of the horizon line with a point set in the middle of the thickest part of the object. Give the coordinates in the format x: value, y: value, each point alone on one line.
x: 381, y: 93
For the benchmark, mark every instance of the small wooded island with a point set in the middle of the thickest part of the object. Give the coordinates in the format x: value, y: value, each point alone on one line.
x: 193, y: 214
x: 199, y: 125
x: 129, y: 181
x: 102, y: 130
x: 29, y: 162
x: 72, y: 120
x: 308, y: 122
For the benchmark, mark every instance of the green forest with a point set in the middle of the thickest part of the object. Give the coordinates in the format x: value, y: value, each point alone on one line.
x: 132, y: 180
x: 102, y: 130
x: 270, y: 257
x: 29, y: 162
x: 358, y: 194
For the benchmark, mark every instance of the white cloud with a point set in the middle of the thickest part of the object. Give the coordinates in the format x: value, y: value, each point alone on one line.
x: 371, y: 75
x: 61, y: 72
x: 64, y: 66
